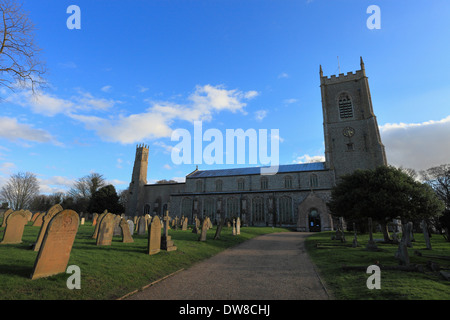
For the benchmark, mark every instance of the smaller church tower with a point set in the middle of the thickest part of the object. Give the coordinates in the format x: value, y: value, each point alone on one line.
x: 138, y: 180
x: 352, y: 137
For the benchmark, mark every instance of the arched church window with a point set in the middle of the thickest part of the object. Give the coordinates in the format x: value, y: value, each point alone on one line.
x: 288, y: 182
x: 264, y: 183
x: 345, y: 106
x: 198, y: 186
x: 219, y: 185
x: 313, y: 181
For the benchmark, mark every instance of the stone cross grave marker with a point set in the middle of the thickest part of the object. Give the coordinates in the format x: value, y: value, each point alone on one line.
x: 166, y: 240
x: 57, y: 244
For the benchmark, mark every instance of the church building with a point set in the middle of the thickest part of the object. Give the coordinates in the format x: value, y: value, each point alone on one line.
x: 297, y: 194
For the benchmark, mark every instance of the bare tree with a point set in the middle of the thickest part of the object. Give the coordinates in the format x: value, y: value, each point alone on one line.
x: 87, y: 185
x: 20, y: 65
x: 20, y: 190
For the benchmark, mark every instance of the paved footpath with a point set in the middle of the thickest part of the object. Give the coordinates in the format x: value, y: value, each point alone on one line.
x: 269, y: 267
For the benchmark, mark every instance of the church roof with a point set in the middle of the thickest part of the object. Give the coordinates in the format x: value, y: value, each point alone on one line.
x: 283, y: 168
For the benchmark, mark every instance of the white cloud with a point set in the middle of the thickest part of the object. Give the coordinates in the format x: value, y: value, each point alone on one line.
x: 283, y: 75
x: 417, y: 145
x: 11, y: 130
x: 55, y: 184
x: 106, y: 88
x: 142, y: 89
x: 289, y: 101
x: 7, y: 167
x: 156, y: 121
x: 260, y: 115
x: 168, y: 167
x: 308, y: 159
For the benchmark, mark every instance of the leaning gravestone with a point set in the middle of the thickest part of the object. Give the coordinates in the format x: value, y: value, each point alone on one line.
x: 46, y: 220
x: 154, y: 236
x: 184, y: 224
x: 5, y: 216
x: 105, y: 231
x: 126, y: 235
x: 14, y: 227
x: 204, y: 230
x: 219, y: 230
x: 97, y: 227
x: 142, y: 225
x: 94, y: 219
x: 57, y: 244
x: 39, y: 220
x: 131, y: 226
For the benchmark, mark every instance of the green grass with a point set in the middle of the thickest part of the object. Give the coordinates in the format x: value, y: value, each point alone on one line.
x: 107, y: 272
x: 395, y: 285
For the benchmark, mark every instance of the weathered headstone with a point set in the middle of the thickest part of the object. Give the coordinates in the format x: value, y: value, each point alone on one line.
x: 402, y: 251
x: 131, y: 226
x: 14, y: 227
x: 94, y: 219
x: 371, y: 245
x: 28, y: 214
x: 154, y: 236
x: 117, y: 229
x: 166, y: 240
x: 39, y: 220
x: 233, y: 232
x: 125, y: 231
x: 142, y: 226
x: 355, y: 239
x: 46, y: 220
x: 184, y: 224
x: 204, y: 230
x: 219, y: 230
x: 238, y: 226
x: 97, y: 227
x: 426, y: 235
x: 106, y: 229
x: 35, y: 215
x: 57, y: 244
x: 82, y: 221
x: 5, y: 216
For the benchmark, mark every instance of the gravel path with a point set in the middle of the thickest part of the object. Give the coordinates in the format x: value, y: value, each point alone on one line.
x: 269, y: 267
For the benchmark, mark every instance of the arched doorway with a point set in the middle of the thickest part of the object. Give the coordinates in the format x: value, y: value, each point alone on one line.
x: 314, y: 221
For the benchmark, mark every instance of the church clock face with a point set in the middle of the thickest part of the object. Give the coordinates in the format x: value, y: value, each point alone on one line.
x: 348, y: 132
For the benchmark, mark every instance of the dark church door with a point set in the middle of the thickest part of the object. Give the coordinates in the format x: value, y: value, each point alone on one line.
x: 314, y: 221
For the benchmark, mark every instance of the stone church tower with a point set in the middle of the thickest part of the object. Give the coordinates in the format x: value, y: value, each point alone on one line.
x: 138, y: 180
x: 352, y: 138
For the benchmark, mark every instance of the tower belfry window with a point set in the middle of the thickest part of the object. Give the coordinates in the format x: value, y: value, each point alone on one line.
x: 345, y: 106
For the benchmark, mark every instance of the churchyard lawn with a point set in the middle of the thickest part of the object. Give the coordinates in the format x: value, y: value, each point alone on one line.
x: 108, y: 272
x: 330, y: 256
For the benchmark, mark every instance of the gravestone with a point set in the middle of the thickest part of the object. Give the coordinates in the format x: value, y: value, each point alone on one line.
x: 166, y: 240
x: 106, y: 229
x: 131, y: 226
x: 39, y: 220
x: 57, y: 244
x: 204, y: 229
x: 125, y: 231
x: 426, y: 235
x: 14, y: 227
x: 148, y: 220
x: 219, y: 230
x: 28, y: 214
x: 94, y: 219
x: 97, y: 227
x: 238, y: 226
x: 233, y: 232
x: 117, y: 229
x: 402, y: 252
x: 154, y: 236
x: 35, y: 215
x: 46, y: 220
x: 184, y: 224
x: 142, y: 226
x: 371, y: 245
x: 355, y: 239
x: 82, y: 221
x: 5, y: 216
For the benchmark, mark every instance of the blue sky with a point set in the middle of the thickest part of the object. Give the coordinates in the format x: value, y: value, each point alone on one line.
x: 139, y: 69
